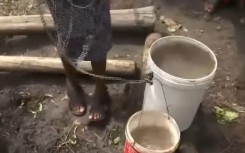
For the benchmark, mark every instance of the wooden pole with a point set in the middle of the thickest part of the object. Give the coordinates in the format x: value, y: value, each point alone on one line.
x: 54, y: 65
x: 121, y: 20
x: 150, y: 39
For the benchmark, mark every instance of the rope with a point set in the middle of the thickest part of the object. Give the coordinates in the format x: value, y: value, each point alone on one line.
x: 61, y: 52
x: 148, y: 78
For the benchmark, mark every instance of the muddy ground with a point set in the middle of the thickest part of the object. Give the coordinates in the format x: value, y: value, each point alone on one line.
x: 23, y: 129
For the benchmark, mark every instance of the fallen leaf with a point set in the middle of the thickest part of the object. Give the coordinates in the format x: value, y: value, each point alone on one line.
x: 40, y: 107
x: 174, y: 28
x: 161, y: 18
x: 171, y: 29
x: 65, y: 98
x: 218, y: 28
x: 73, y: 141
x: 224, y: 115
x: 73, y: 138
x: 169, y: 21
x: 49, y: 95
x: 185, y: 29
x: 77, y: 122
x: 116, y: 141
x: 172, y: 25
x: 33, y: 112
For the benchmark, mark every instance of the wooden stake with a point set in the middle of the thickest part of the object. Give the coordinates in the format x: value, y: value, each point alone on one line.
x: 54, y: 65
x: 121, y: 20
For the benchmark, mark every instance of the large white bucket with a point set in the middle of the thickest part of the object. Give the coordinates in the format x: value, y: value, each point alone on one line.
x: 183, y: 68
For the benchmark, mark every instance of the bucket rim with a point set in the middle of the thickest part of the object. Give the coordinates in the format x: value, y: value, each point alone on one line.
x: 130, y: 139
x: 184, y: 81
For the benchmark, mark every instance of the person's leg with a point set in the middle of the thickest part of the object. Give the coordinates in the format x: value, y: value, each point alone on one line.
x: 74, y: 91
x: 101, y: 97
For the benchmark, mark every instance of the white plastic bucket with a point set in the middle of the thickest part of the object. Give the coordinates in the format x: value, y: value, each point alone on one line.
x: 171, y: 93
x: 165, y: 123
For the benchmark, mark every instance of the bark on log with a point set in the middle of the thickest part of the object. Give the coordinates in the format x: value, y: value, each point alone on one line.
x: 121, y: 20
x: 150, y: 39
x: 54, y: 65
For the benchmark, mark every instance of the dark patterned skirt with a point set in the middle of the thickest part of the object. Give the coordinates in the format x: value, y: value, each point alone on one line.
x: 84, y: 28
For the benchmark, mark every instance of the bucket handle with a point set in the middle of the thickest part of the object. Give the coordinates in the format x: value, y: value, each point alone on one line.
x: 150, y: 79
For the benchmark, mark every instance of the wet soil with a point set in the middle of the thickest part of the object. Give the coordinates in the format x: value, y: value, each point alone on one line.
x: 33, y: 107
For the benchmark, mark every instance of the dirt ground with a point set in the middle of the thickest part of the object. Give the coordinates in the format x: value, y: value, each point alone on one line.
x: 24, y: 129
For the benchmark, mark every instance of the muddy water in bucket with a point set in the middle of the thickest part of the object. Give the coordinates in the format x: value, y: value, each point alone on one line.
x: 183, y: 60
x: 151, y: 132
x: 153, y: 137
